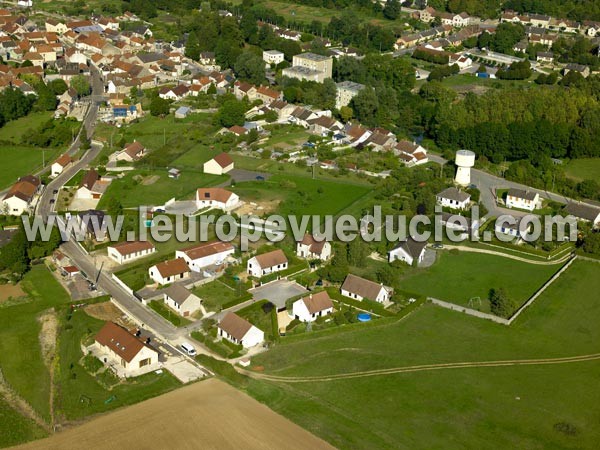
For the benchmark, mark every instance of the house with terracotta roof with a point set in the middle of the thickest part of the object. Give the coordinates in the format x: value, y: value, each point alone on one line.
x: 237, y: 130
x: 60, y: 164
x: 268, y: 95
x: 408, y: 251
x: 133, y: 151
x: 358, y: 288
x: 125, y: 252
x: 311, y: 247
x: 169, y: 271
x: 239, y: 331
x: 219, y: 165
x: 92, y: 186
x: 242, y: 89
x: 216, y: 198
x: 410, y: 153
x: 174, y: 93
x: 267, y: 263
x: 128, y: 354
x: 309, y: 309
x: 206, y: 254
x: 181, y: 300
x: 19, y: 197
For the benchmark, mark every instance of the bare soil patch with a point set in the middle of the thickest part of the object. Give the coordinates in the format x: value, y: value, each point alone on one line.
x: 8, y: 291
x: 259, y: 208
x: 47, y: 337
x: 209, y: 414
x: 147, y: 181
x: 106, y: 311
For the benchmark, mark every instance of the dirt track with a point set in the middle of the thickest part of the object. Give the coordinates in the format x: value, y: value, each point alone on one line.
x: 207, y: 415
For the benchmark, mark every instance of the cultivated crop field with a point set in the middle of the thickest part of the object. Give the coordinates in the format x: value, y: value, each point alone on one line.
x: 512, y: 406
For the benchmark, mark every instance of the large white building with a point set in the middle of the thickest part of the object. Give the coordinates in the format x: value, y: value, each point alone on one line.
x: 310, y: 67
x: 206, y: 254
x: 346, y: 91
x: 239, y: 331
x: 273, y: 56
x: 125, y: 252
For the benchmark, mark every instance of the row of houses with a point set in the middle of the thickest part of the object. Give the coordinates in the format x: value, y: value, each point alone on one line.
x: 590, y: 28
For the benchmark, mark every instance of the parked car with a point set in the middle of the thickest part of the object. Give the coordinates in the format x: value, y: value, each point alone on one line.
x: 188, y: 349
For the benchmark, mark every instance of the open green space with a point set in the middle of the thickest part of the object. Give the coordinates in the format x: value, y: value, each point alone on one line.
x: 217, y: 294
x: 18, y: 160
x: 459, y: 277
x: 81, y: 393
x: 545, y: 406
x: 16, y: 428
x: 15, y: 130
x: 301, y: 195
x: 154, y: 187
x: 583, y: 169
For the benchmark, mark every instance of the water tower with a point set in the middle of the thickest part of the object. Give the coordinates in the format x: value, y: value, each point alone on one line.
x: 465, y: 159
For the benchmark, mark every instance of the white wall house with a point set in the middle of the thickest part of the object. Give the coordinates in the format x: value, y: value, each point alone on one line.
x: 217, y: 198
x: 219, y: 165
x: 309, y: 309
x: 267, y: 263
x: 273, y: 56
x: 310, y: 248
x: 19, y: 197
x: 117, y: 347
x: 453, y: 198
x: 60, y: 164
x: 518, y: 198
x: 510, y: 229
x: 408, y: 251
x: 584, y: 212
x: 169, y: 271
x: 239, y: 331
x: 125, y: 252
x: 206, y: 254
x: 358, y: 288
x: 181, y: 300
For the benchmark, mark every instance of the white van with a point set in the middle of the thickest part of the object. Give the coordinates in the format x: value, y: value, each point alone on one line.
x: 188, y: 349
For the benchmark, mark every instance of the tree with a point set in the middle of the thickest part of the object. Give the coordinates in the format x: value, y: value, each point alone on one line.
x: 250, y: 67
x: 159, y: 106
x: 81, y: 85
x: 346, y: 113
x: 192, y: 47
x: 232, y: 112
x: 358, y: 251
x: 591, y: 243
x: 500, y: 304
x: 365, y: 105
x: 46, y: 100
x: 391, y: 10
x: 58, y: 86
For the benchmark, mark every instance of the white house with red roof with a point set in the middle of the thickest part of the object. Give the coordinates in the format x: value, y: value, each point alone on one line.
x: 219, y: 165
x: 216, y: 198
x: 205, y: 254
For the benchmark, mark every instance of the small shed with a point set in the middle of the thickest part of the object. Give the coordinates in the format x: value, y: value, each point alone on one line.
x: 182, y: 112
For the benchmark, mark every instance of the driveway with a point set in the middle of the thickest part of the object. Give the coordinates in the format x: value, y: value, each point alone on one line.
x: 278, y: 292
x: 183, y: 207
x: 240, y: 175
x: 428, y: 258
x: 182, y: 369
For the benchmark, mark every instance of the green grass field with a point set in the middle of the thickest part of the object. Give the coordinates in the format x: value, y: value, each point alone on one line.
x: 15, y: 130
x: 301, y: 195
x: 459, y: 277
x: 535, y: 407
x: 18, y: 161
x: 583, y: 169
x: 16, y: 428
x: 216, y: 293
x: 169, y: 314
x: 154, y: 187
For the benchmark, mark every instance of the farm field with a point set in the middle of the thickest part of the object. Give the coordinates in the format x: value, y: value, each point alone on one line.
x: 18, y: 160
x: 501, y: 407
x: 459, y: 277
x: 214, y: 412
x: 300, y: 195
x: 583, y: 169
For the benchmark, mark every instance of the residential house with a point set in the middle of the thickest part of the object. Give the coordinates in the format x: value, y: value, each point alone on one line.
x: 459, y: 223
x: 176, y: 93
x: 309, y: 309
x: 411, y: 153
x: 181, y: 300
x: 206, y: 254
x: 64, y: 161
x: 54, y: 26
x: 267, y: 263
x: 237, y: 130
x: 268, y: 95
x: 358, y: 288
x: 453, y: 198
x: 239, y: 331
x: 283, y: 109
x: 580, y: 68
x: 92, y: 223
x: 310, y: 67
x: 219, y: 165
x: 511, y: 229
x: 124, y: 252
x: 545, y: 57
x: 379, y: 141
x: 408, y: 251
x: 118, y: 347
x: 584, y: 212
x: 273, y: 57
x: 92, y: 186
x: 218, y: 198
x: 242, y: 89
x: 518, y: 198
x: 133, y: 151
x: 323, y: 125
x: 312, y: 248
x: 19, y: 197
x: 169, y: 271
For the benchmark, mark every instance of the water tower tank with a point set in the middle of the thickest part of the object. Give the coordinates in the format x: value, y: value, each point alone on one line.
x: 465, y: 159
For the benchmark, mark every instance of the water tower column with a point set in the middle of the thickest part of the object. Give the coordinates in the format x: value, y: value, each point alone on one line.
x: 465, y: 159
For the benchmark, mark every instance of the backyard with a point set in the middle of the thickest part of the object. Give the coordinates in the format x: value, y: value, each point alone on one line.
x: 502, y: 407
x: 583, y: 169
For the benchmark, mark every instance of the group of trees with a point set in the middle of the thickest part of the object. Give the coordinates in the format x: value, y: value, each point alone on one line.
x: 504, y: 39
x: 53, y: 133
x: 519, y: 70
x: 14, y: 104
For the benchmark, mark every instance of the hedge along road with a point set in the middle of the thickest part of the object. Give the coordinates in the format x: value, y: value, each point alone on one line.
x: 423, y: 368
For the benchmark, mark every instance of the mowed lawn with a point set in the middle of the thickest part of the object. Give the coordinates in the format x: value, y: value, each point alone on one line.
x: 16, y: 130
x: 154, y: 187
x: 535, y: 407
x: 18, y: 160
x: 459, y: 277
x: 301, y: 195
x: 16, y: 428
x: 583, y: 169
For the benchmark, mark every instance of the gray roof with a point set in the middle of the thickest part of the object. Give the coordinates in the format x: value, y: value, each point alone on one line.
x: 350, y: 86
x: 454, y: 194
x: 412, y: 247
x: 582, y: 211
x: 520, y: 193
x: 314, y: 56
x: 177, y: 293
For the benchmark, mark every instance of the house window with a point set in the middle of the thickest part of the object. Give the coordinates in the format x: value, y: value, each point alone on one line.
x: 145, y: 362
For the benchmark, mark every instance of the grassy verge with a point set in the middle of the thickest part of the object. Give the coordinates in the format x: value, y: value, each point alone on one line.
x: 168, y: 313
